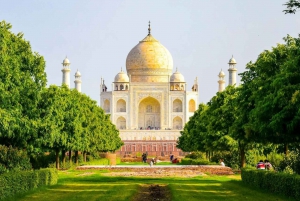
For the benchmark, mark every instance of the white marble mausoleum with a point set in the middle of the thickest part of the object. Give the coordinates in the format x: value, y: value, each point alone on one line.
x: 149, y: 102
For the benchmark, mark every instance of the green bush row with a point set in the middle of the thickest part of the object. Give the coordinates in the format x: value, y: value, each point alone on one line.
x: 20, y: 181
x: 189, y: 161
x: 13, y: 159
x: 281, y: 183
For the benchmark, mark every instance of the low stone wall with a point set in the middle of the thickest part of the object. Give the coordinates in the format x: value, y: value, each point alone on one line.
x: 163, y: 170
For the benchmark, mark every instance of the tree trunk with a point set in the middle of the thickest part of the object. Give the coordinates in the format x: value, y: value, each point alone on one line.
x: 84, y: 156
x: 243, y: 158
x: 76, y: 157
x: 70, y: 156
x: 57, y: 158
x: 286, y: 149
x: 63, y: 158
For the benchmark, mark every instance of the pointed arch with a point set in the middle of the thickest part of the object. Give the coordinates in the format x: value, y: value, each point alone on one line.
x: 121, y: 123
x: 177, y: 123
x: 106, y: 105
x: 149, y: 113
x: 192, y: 105
x: 121, y: 105
x: 177, y: 105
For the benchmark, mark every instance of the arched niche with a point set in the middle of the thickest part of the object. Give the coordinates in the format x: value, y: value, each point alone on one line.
x: 177, y: 123
x: 177, y: 105
x: 121, y: 105
x: 149, y: 113
x: 121, y: 123
x: 106, y: 105
x: 192, y: 105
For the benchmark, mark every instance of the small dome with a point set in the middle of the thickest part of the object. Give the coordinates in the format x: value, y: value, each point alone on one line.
x: 232, y: 60
x: 77, y: 74
x: 121, y: 77
x: 221, y: 74
x: 177, y: 77
x: 66, y: 61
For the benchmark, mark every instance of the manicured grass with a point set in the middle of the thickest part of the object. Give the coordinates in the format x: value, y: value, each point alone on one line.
x: 91, y: 185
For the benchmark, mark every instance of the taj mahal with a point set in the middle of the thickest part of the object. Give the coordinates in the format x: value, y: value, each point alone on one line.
x: 149, y: 102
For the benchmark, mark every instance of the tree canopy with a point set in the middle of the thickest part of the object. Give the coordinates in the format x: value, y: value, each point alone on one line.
x: 263, y: 109
x: 53, y: 118
x: 22, y: 77
x: 291, y: 6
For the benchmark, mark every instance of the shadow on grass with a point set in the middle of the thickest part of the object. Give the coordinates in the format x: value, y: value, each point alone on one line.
x: 96, y: 187
x: 231, y: 190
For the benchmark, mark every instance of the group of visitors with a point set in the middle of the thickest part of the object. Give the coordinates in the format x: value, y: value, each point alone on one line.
x: 150, y: 128
x: 264, y: 165
x: 173, y: 159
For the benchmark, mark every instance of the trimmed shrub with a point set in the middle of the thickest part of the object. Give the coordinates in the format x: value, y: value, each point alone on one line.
x: 275, y: 182
x: 17, y: 182
x: 13, y: 159
x: 186, y: 161
x: 196, y: 155
x: 189, y: 161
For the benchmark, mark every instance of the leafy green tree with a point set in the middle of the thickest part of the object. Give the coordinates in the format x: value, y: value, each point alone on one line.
x: 22, y: 77
x: 195, y: 131
x: 53, y: 119
x: 292, y: 6
x: 221, y: 115
x: 274, y: 89
x: 72, y: 121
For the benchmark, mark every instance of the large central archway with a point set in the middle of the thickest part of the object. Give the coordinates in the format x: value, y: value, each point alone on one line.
x: 149, y: 114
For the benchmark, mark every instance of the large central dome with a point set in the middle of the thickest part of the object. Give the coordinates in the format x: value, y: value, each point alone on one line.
x: 149, y: 61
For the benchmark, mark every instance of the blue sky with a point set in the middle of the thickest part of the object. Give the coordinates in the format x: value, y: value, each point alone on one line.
x: 97, y: 35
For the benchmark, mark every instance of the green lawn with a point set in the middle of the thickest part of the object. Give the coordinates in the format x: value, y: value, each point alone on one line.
x: 91, y: 185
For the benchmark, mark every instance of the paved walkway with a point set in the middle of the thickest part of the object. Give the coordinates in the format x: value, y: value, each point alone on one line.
x: 148, y: 166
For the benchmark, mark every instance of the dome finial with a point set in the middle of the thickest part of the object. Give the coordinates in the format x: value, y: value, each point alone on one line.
x: 149, y: 29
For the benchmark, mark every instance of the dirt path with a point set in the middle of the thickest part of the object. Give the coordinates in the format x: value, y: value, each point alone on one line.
x: 153, y: 193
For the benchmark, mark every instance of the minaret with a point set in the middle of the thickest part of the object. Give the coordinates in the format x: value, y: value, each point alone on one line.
x: 195, y: 86
x: 78, y: 81
x: 232, y: 71
x: 66, y: 72
x: 103, y: 87
x: 221, y: 81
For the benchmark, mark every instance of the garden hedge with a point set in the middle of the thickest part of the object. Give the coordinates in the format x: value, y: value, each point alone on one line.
x: 189, y: 161
x: 280, y: 183
x: 20, y: 181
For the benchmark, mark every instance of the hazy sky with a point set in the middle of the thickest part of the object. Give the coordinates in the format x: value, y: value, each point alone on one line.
x: 97, y: 35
